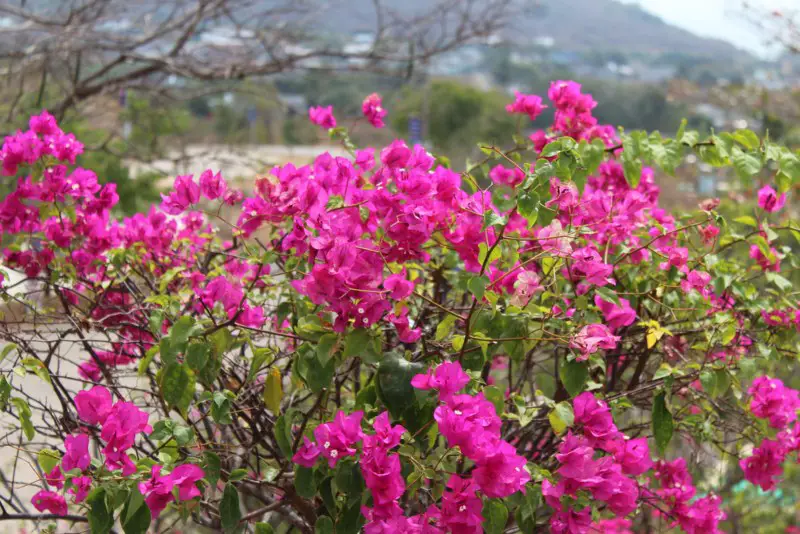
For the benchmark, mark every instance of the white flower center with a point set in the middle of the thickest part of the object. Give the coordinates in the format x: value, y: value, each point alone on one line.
x: 457, y: 412
x: 327, y: 444
x: 361, y: 310
x: 253, y: 213
x: 334, y: 453
x: 462, y: 508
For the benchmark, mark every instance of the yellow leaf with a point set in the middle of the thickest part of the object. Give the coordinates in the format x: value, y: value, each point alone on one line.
x: 273, y: 391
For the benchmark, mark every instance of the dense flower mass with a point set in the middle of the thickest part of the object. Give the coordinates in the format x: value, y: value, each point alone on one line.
x: 382, y: 343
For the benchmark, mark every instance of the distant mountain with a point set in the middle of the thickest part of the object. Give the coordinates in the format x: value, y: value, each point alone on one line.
x: 608, y: 25
x: 574, y: 25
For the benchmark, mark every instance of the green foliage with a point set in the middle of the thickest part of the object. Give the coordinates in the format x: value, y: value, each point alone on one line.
x: 457, y: 115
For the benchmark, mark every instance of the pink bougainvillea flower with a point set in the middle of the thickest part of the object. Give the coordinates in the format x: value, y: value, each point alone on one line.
x: 157, y: 491
x: 387, y: 436
x: 185, y: 478
x: 306, y: 454
x: 511, y: 177
x: 186, y: 193
x: 212, y: 186
x: 80, y: 488
x: 373, y: 110
x: 616, y: 316
x: 594, y: 416
x: 322, y: 116
x: 772, y: 400
x: 525, y: 286
x: 399, y: 286
x: 501, y: 471
x: 448, y: 378
x: 338, y: 438
x: 55, y: 478
x: 382, y: 476
x: 93, y: 404
x: 769, y: 200
x: 530, y: 105
x: 49, y: 501
x: 77, y: 455
x: 592, y: 338
x: 461, y: 508
x: 765, y: 465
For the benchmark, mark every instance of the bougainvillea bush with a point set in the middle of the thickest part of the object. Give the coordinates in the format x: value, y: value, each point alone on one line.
x: 379, y: 343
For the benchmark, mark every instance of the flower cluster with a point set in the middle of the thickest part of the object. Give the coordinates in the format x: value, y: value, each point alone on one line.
x: 367, y: 256
x: 778, y: 404
x: 609, y: 478
x: 470, y: 422
x: 43, y: 139
x: 120, y: 422
x: 677, y: 493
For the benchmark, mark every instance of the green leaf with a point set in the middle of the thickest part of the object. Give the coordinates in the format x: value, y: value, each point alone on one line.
x: 135, y: 517
x: 326, y: 492
x: 574, y: 375
x: 178, y: 386
x: 495, y: 516
x: 318, y: 376
x: 221, y: 408
x: 561, y: 417
x: 746, y: 138
x: 213, y: 467
x: 663, y: 425
x: 496, y: 397
x: 477, y: 286
x: 715, y: 382
x: 483, y: 249
x: 48, y: 459
x: 101, y: 519
x: 229, y: 511
x: 283, y: 435
x: 746, y: 164
x: 746, y: 219
x: 394, y: 383
x: 326, y: 348
x: 5, y: 392
x: 782, y: 283
x: 304, y: 482
x: 273, y: 391
x: 349, y: 479
x: 445, y: 327
x: 24, y: 414
x: 551, y: 149
x: 37, y: 367
x: 491, y: 218
x: 180, y: 332
x: 608, y: 295
x: 145, y: 362
x: 264, y: 528
x: 197, y: 356
x: 237, y: 474
x: 527, y: 205
x: 711, y: 154
x: 7, y: 350
x: 361, y: 343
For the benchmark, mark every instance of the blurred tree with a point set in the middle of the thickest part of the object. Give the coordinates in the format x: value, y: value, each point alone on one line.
x: 459, y: 116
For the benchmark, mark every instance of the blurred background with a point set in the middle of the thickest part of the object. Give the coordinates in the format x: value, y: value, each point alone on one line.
x: 160, y: 87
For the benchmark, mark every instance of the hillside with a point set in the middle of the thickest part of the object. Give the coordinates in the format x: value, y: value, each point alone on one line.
x: 608, y: 25
x: 575, y: 25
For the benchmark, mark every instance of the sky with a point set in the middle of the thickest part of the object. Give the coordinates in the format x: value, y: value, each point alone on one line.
x: 723, y: 19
